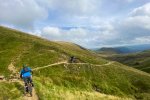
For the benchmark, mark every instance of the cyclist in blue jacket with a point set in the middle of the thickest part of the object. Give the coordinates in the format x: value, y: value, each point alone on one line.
x: 26, y: 74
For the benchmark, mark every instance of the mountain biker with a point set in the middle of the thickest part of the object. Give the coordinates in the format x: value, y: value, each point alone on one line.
x: 26, y: 75
x: 72, y: 59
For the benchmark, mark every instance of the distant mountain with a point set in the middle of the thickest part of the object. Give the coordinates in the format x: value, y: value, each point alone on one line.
x: 140, y: 60
x: 111, y: 50
x: 124, y: 49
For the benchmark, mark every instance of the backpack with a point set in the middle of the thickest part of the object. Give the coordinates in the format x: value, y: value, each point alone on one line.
x: 26, y: 69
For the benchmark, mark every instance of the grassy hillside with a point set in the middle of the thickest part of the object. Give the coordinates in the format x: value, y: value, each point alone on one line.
x: 108, y: 51
x: 17, y: 47
x: 139, y: 60
x: 10, y: 91
x: 114, y: 79
x: 92, y: 78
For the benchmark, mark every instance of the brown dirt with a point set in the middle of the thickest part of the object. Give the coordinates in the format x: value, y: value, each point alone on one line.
x: 34, y: 96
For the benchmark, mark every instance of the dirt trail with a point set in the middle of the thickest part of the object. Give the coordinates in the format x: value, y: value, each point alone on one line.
x: 65, y: 62
x: 34, y: 95
x: 26, y: 97
x: 12, y: 68
x: 109, y: 63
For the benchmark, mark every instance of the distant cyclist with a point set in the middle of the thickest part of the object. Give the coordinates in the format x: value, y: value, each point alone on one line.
x: 26, y: 74
x: 72, y: 59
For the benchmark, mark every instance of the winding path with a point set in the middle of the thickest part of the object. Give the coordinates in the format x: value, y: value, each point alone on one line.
x: 59, y: 63
x: 65, y: 62
x: 26, y: 97
x: 34, y: 95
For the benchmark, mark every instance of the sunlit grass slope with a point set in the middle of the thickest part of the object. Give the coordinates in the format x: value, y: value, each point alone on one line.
x: 67, y: 81
x: 10, y: 91
x: 114, y: 79
x: 17, y: 47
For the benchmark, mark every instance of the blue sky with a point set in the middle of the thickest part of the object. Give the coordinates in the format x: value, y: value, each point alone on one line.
x: 89, y: 23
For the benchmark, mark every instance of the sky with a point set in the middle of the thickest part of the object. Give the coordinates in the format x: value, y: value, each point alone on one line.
x: 89, y: 23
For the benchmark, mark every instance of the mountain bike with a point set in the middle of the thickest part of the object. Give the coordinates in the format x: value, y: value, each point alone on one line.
x: 28, y: 87
x: 74, y: 60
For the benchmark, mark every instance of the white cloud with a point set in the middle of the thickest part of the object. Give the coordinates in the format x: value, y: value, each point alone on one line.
x: 138, y: 22
x: 24, y: 13
x: 21, y: 12
x: 36, y: 32
x: 52, y: 31
x: 93, y: 22
x: 142, y: 40
x: 142, y: 11
x: 56, y: 33
x: 71, y: 7
x: 130, y: 0
x: 132, y: 29
x: 76, y: 35
x: 139, y: 17
x: 83, y: 36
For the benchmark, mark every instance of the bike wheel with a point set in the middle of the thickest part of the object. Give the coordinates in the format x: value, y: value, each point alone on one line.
x: 30, y: 90
x: 31, y: 93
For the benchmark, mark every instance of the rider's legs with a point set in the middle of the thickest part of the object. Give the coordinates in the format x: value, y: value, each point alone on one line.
x: 26, y: 81
x: 30, y: 78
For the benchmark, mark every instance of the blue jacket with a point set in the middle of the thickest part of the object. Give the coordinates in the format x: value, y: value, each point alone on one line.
x: 26, y: 72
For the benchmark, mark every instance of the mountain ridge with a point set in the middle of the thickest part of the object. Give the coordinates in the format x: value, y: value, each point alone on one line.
x: 124, y: 49
x: 138, y: 60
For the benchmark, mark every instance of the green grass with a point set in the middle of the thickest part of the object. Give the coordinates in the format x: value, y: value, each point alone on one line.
x: 70, y: 80
x: 10, y: 91
x: 113, y: 79
x: 50, y: 91
x: 21, y: 48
